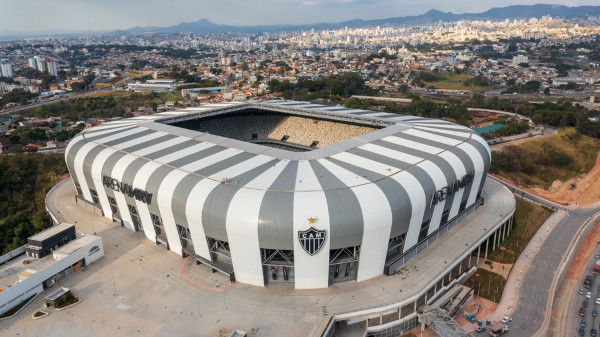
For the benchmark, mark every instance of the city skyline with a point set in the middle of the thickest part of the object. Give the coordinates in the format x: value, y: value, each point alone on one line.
x: 70, y: 15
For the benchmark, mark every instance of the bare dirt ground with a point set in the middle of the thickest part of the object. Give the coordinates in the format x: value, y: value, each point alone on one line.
x: 566, y: 290
x: 586, y: 191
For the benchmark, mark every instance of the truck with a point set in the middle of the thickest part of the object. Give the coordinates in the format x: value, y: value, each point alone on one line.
x: 498, y: 329
x: 596, y: 269
x: 588, y: 282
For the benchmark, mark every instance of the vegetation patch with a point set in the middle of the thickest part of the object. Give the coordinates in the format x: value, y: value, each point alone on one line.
x: 18, y: 307
x: 487, y: 284
x: 99, y: 105
x: 65, y: 301
x: 528, y: 218
x: 24, y: 181
x: 539, y: 162
x: 451, y: 80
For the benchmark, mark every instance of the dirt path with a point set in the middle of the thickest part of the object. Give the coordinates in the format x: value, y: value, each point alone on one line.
x: 586, y: 191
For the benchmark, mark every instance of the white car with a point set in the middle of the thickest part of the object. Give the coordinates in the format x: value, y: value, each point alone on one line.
x: 506, y: 319
x: 598, y: 300
x: 588, y: 295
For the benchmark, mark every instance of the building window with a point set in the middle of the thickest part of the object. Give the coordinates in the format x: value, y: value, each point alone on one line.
x: 135, y: 217
x: 396, y: 245
x: 78, y: 188
x: 113, y: 205
x: 184, y: 236
x: 95, y: 198
x: 424, y: 230
x: 445, y: 217
x: 157, y: 224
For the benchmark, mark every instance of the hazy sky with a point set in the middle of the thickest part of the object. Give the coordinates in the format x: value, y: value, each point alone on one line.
x: 41, y: 15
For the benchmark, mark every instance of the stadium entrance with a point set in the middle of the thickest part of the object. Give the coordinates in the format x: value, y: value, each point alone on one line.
x: 278, y: 266
x: 343, y: 264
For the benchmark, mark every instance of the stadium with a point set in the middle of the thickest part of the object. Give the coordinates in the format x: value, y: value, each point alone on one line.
x: 282, y: 192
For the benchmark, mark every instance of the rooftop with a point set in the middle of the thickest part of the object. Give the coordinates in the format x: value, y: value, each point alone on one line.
x: 50, y: 232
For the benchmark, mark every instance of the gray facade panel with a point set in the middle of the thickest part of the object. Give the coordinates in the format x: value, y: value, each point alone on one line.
x: 87, y: 166
x: 130, y: 173
x: 395, y: 193
x: 403, y: 149
x: 345, y: 214
x: 91, y: 136
x: 275, y: 220
x: 107, y: 168
x: 450, y: 176
x: 149, y: 143
x: 485, y: 155
x: 70, y: 159
x: 225, y: 164
x: 171, y: 149
x: 467, y: 161
x: 214, y: 212
x: 128, y: 138
x: 152, y: 186
x: 180, y: 198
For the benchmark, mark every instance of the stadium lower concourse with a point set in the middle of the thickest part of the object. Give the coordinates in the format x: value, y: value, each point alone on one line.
x: 288, y: 193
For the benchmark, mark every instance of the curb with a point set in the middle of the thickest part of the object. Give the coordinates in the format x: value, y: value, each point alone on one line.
x: 45, y: 313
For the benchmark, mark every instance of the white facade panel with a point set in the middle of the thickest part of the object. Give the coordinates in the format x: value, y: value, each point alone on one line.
x: 97, y: 177
x: 242, y: 232
x: 377, y: 220
x: 117, y: 173
x: 310, y: 271
x: 140, y: 181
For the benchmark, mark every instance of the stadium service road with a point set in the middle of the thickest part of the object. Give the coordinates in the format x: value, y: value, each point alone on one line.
x: 136, y: 289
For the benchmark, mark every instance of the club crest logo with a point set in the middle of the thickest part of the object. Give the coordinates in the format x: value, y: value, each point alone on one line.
x: 312, y: 239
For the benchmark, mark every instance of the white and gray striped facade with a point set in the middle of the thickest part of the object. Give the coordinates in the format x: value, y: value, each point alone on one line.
x: 239, y: 207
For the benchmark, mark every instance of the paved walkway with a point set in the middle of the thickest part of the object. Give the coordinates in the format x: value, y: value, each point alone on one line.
x: 515, y: 278
x: 136, y: 289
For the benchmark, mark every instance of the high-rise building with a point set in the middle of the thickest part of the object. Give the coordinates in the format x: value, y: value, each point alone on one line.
x: 51, y: 67
x: 40, y: 64
x: 6, y: 70
x: 32, y: 63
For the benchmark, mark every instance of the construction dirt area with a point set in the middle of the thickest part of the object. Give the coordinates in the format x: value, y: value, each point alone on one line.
x: 579, y: 191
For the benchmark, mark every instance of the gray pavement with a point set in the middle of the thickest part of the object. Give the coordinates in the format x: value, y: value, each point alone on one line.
x: 141, y: 289
x: 530, y: 311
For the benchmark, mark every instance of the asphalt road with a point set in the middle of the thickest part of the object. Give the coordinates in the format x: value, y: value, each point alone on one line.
x: 530, y: 308
x: 574, y: 320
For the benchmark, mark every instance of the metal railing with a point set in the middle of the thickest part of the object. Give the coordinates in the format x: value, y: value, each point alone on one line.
x: 439, y: 320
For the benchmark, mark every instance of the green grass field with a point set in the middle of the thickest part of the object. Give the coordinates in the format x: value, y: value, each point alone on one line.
x: 454, y: 81
x: 487, y: 284
x: 528, y: 219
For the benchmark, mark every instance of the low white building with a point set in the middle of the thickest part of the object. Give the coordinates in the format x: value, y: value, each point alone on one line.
x: 28, y: 277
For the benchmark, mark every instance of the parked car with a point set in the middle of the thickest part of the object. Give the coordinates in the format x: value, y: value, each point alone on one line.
x: 598, y: 255
x: 593, y: 332
x: 581, y: 291
x: 480, y: 329
x: 597, y: 300
x: 489, y: 263
x: 588, y: 295
x: 505, y: 319
x: 582, y: 312
x: 595, y: 313
x: 581, y: 331
x: 583, y: 323
x: 585, y: 303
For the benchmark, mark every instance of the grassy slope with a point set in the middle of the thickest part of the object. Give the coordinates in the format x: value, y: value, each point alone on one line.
x: 539, y: 162
x: 527, y: 220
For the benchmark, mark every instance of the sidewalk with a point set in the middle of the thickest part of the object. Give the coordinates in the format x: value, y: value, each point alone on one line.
x: 513, y: 283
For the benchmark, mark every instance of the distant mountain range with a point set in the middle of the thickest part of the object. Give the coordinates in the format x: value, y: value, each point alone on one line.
x: 432, y: 16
